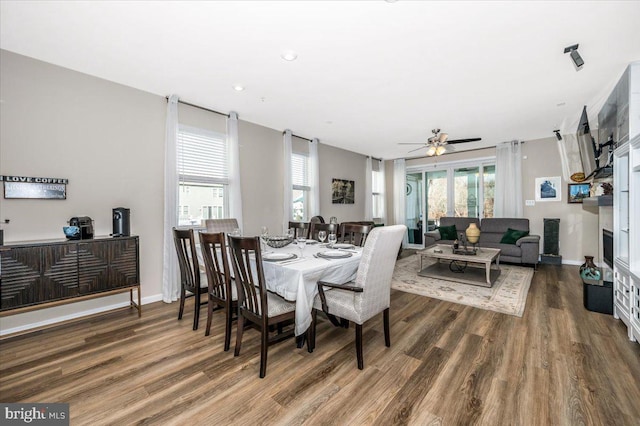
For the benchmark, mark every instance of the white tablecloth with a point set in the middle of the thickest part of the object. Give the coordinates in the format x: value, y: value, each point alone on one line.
x: 297, y: 281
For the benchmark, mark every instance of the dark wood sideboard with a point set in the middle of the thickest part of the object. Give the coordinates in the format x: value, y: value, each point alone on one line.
x: 41, y: 274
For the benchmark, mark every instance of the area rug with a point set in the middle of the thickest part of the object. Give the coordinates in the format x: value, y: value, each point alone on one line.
x: 508, y: 295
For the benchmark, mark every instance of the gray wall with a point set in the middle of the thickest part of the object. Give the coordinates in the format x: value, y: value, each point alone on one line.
x: 108, y: 140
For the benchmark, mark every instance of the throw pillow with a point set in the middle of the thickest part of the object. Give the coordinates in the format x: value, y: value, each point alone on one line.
x: 512, y: 235
x: 448, y: 232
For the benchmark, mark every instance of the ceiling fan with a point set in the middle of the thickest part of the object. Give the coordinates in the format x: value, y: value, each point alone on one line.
x: 436, y: 144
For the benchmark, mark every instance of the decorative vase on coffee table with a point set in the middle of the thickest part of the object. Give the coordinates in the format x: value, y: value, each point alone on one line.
x: 473, y: 234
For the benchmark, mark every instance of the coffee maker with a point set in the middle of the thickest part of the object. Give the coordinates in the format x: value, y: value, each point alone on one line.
x: 85, y: 224
x: 121, y: 224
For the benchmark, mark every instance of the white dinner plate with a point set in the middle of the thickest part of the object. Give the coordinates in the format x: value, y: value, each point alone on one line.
x: 334, y: 254
x: 276, y: 257
x: 312, y: 242
x: 343, y: 246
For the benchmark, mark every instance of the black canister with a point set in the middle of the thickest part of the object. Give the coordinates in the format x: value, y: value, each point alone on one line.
x: 121, y: 224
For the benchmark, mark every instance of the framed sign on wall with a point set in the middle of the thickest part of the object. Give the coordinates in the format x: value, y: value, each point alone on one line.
x: 24, y: 187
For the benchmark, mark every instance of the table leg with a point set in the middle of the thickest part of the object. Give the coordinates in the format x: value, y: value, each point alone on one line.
x: 488, y: 267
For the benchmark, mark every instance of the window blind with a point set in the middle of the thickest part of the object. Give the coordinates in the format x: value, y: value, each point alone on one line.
x: 202, y: 156
x: 300, y: 171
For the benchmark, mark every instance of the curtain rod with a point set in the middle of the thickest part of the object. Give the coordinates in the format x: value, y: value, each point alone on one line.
x: 299, y: 137
x: 199, y: 107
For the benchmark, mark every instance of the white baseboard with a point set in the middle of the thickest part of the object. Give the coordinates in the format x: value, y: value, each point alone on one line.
x: 55, y: 320
x: 573, y: 262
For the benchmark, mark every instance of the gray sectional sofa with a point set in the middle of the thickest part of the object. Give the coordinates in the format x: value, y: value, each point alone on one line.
x: 525, y: 250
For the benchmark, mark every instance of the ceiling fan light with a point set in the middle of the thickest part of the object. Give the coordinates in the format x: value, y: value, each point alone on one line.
x: 440, y: 150
x: 431, y: 151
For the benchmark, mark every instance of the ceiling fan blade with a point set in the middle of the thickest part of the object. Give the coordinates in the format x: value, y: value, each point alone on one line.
x: 411, y: 143
x: 464, y: 140
x: 413, y: 150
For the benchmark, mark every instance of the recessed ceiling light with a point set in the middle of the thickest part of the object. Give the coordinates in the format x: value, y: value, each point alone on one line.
x: 238, y: 87
x: 289, y: 55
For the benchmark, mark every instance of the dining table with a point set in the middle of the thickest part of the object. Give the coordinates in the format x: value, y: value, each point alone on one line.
x: 293, y: 274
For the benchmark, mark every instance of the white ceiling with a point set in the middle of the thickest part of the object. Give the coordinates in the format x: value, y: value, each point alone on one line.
x: 368, y: 74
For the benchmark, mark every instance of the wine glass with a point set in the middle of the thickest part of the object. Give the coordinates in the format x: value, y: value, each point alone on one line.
x: 264, y: 234
x: 302, y: 242
x: 332, y: 239
x: 322, y: 235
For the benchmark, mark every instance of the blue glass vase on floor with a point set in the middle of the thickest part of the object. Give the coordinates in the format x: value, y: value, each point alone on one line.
x: 588, y: 270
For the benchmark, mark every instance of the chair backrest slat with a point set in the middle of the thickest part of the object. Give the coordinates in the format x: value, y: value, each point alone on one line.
x: 187, y: 258
x: 214, y: 254
x: 250, y: 281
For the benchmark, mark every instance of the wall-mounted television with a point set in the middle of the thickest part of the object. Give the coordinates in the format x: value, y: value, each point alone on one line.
x: 586, y: 145
x: 593, y: 162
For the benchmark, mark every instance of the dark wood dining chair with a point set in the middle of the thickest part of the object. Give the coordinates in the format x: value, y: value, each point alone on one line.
x: 330, y: 228
x: 191, y: 282
x: 353, y: 233
x: 369, y: 294
x: 312, y: 221
x: 222, y: 291
x: 255, y: 304
x: 300, y: 229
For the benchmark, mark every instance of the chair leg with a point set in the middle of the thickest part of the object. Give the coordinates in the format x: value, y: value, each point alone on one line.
x: 359, y: 346
x: 312, y: 338
x: 227, y: 330
x: 183, y: 296
x: 263, y: 351
x: 196, y: 314
x: 239, y: 334
x: 387, y: 336
x: 209, y: 316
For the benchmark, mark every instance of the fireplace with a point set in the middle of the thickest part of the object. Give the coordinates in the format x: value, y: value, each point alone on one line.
x: 607, y: 247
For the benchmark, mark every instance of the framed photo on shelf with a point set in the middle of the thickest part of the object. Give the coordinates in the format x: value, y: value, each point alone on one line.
x: 548, y: 189
x: 578, y: 192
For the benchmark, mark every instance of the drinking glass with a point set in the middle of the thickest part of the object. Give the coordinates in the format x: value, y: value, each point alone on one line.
x: 322, y: 235
x: 332, y: 239
x: 302, y: 242
x: 264, y: 234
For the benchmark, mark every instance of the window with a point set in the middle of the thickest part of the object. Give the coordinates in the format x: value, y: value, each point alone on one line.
x: 203, y: 176
x: 377, y: 189
x: 301, y: 188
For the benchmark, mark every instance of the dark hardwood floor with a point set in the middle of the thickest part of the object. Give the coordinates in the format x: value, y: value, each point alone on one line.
x: 448, y: 364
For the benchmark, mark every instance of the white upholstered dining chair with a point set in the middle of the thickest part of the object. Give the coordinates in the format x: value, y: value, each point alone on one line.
x: 370, y: 293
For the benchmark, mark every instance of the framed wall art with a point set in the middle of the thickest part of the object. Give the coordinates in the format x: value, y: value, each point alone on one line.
x: 342, y: 191
x: 20, y: 187
x: 548, y: 189
x: 578, y: 192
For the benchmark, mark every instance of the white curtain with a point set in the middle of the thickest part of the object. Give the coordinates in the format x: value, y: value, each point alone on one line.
x: 368, y: 190
x: 287, y: 185
x: 170, y: 279
x: 235, y: 189
x: 314, y: 179
x: 399, y: 204
x: 508, y: 190
x: 383, y: 189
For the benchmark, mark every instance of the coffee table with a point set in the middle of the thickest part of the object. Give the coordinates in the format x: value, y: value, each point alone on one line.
x: 468, y: 269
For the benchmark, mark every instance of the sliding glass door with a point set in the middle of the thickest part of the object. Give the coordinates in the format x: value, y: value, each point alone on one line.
x: 459, y: 190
